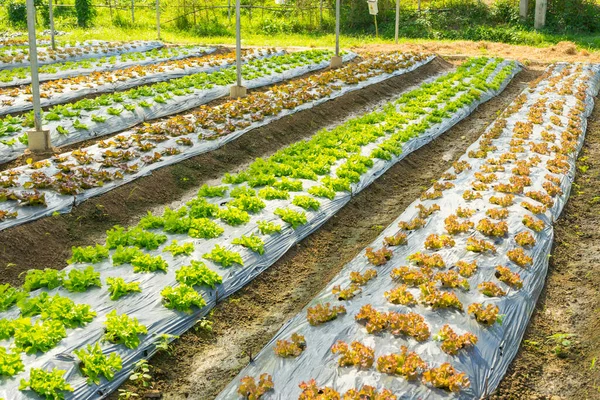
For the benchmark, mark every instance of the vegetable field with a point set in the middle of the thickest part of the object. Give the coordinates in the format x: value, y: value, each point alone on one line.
x: 435, y: 307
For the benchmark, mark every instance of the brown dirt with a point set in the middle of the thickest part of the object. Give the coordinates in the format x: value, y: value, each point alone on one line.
x: 22, y: 160
x: 47, y: 241
x: 570, y: 302
x: 203, y: 362
x: 529, y: 55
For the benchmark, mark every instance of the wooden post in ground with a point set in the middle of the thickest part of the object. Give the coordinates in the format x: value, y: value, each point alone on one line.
x: 336, y: 60
x: 39, y: 139
x: 238, y: 90
x: 51, y: 17
x: 540, y: 13
x: 523, y: 6
x: 158, y: 19
x: 397, y: 21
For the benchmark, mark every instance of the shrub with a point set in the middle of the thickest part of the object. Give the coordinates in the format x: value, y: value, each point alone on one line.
x: 85, y: 12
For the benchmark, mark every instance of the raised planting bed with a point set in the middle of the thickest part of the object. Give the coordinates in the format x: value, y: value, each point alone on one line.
x: 437, y: 305
x: 110, y: 113
x: 99, y: 168
x: 148, y: 282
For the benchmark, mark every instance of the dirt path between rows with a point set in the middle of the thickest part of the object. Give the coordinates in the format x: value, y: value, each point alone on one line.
x: 560, y: 354
x: 47, y: 242
x: 202, y: 362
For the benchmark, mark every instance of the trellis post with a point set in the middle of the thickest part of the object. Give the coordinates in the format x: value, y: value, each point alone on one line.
x: 397, y: 21
x: 51, y: 17
x: 238, y: 90
x: 336, y: 61
x: 39, y: 139
x: 158, y: 19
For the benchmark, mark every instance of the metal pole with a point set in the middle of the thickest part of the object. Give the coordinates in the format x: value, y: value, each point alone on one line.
x: 397, y: 20
x: 33, y: 60
x: 132, y: 13
x: 238, y: 42
x: 321, y: 14
x: 337, y: 28
x: 51, y: 14
x: 157, y: 18
x: 376, y: 29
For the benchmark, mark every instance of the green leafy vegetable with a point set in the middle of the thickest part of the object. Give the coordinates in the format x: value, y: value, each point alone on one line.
x: 197, y: 274
x: 226, y: 258
x: 176, y: 250
x: 89, y: 254
x: 80, y: 281
x: 121, y: 329
x: 10, y: 363
x: 117, y: 287
x: 95, y: 364
x: 48, y: 278
x: 50, y: 385
x: 268, y: 227
x: 252, y: 242
x: 182, y: 298
x: 294, y: 218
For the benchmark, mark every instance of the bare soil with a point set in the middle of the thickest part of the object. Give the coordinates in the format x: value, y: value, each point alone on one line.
x: 202, y: 362
x: 47, y: 242
x: 529, y: 55
x: 546, y: 367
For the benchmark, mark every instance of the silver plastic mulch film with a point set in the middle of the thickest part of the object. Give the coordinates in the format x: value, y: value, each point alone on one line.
x: 117, y: 123
x: 64, y: 203
x: 485, y: 363
x: 147, y: 306
x: 103, y: 64
x: 74, y: 91
x: 81, y: 51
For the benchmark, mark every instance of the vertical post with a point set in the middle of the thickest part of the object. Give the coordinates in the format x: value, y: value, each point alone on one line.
x: 132, y: 13
x: 51, y: 15
x: 397, y: 21
x: 419, y: 5
x: 336, y: 61
x: 376, y: 29
x: 39, y: 140
x: 238, y: 90
x: 229, y: 10
x: 33, y: 61
x: 238, y: 42
x: 540, y: 13
x: 321, y: 14
x: 523, y: 8
x: 158, y: 19
x: 337, y: 28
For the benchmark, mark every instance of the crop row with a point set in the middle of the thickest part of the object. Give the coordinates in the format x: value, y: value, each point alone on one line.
x: 19, y: 99
x: 61, y: 70
x: 17, y: 57
x: 108, y: 164
x: 109, y: 113
x: 443, y: 296
x: 186, y: 259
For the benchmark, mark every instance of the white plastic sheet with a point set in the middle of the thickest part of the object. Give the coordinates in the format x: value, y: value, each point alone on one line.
x: 64, y: 203
x: 177, y: 104
x: 147, y: 306
x: 64, y: 70
x: 487, y: 362
x: 22, y: 102
x: 79, y: 51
